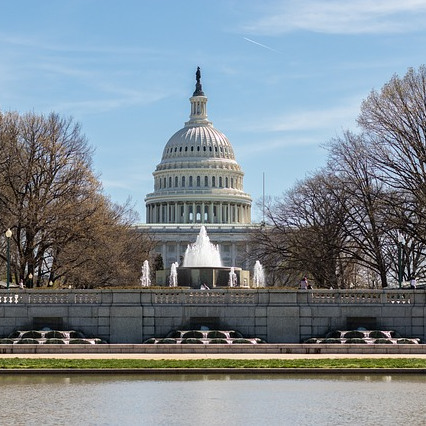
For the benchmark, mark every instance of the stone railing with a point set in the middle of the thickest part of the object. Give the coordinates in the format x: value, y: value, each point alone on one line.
x: 361, y: 297
x: 46, y: 297
x: 203, y: 297
x: 178, y: 296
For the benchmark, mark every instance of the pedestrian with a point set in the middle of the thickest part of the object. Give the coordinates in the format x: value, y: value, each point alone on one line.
x: 304, y: 283
x: 413, y: 282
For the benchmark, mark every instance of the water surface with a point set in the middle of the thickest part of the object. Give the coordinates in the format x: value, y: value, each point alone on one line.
x: 212, y: 400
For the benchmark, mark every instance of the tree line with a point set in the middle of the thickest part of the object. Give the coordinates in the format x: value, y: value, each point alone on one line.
x: 64, y: 229
x: 360, y: 221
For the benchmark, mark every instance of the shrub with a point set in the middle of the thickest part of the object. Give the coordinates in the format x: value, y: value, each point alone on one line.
x: 356, y: 340
x: 6, y: 341
x: 175, y: 334
x: 333, y: 334
x: 27, y: 342
x: 167, y: 340
x: 241, y: 341
x: 311, y: 340
x: 235, y: 335
x: 54, y: 341
x: 76, y: 335
x: 192, y: 341
x: 150, y: 341
x: 193, y: 335
x: 353, y: 334
x: 331, y: 340
x: 377, y: 334
x: 383, y: 342
x: 216, y: 334
x: 79, y: 342
x: 54, y: 334
x: 15, y: 335
x: 218, y: 342
x: 406, y: 342
x: 33, y: 334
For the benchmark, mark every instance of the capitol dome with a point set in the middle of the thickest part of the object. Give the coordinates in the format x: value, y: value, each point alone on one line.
x: 198, y: 179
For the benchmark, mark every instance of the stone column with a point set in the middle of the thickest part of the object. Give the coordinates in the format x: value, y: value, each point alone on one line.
x: 211, y: 218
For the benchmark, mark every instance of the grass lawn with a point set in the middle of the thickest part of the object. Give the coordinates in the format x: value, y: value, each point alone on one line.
x: 41, y: 363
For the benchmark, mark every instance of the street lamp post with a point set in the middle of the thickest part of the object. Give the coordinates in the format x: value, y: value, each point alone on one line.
x: 30, y: 280
x: 400, y: 243
x: 8, y: 235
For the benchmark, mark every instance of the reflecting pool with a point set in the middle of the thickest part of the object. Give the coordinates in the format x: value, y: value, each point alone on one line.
x: 212, y: 399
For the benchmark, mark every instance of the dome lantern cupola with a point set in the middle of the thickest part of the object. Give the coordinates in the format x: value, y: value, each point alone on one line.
x: 198, y: 104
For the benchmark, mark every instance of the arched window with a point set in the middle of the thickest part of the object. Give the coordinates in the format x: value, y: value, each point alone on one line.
x: 198, y: 181
x: 226, y: 183
x: 206, y: 181
x: 170, y: 181
x: 190, y: 181
x: 176, y: 181
x: 183, y: 181
x: 220, y: 181
x: 213, y: 181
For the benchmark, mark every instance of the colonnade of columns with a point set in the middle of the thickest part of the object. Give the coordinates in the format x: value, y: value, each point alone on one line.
x: 198, y: 212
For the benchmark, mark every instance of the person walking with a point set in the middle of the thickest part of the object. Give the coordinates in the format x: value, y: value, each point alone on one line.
x: 304, y: 283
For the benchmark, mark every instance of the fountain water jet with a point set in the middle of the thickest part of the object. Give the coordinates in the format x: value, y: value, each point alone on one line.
x: 258, y: 275
x: 202, y: 253
x: 145, y: 279
x: 173, y: 282
x: 232, y: 278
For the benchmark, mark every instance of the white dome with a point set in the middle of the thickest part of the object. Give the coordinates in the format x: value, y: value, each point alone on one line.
x: 198, y: 141
x: 198, y: 179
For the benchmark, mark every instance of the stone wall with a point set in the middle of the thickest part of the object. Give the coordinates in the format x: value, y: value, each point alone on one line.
x: 276, y: 315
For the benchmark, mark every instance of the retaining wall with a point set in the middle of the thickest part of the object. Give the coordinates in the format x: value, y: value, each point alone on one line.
x: 276, y: 315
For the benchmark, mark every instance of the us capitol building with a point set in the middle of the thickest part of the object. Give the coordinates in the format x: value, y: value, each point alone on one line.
x: 199, y: 182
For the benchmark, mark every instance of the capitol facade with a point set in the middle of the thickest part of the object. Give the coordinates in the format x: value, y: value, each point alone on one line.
x: 199, y: 182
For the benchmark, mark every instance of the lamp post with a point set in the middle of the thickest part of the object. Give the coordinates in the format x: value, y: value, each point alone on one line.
x: 30, y: 280
x: 400, y: 243
x: 8, y: 235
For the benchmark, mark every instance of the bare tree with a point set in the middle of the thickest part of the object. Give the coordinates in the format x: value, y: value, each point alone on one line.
x: 394, y: 119
x: 365, y: 203
x: 53, y: 203
x: 305, y: 234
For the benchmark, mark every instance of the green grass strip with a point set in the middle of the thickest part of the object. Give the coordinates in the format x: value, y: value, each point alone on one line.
x: 50, y: 363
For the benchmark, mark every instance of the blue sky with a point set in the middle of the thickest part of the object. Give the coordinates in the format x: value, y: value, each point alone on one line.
x: 282, y: 77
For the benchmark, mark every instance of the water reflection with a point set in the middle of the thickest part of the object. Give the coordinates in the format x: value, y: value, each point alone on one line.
x: 212, y: 399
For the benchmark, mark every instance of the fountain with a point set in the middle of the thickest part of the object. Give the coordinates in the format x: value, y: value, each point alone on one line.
x: 202, y: 253
x: 202, y: 265
x: 232, y: 278
x: 173, y: 282
x: 258, y: 275
x: 145, y: 279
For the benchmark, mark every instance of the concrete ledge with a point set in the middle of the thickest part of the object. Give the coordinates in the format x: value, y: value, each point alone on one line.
x: 216, y: 349
x: 245, y: 371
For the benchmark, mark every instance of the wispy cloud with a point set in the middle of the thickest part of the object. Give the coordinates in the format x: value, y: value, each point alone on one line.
x: 341, y: 17
x: 334, y: 117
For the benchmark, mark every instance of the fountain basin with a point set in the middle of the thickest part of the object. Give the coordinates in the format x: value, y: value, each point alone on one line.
x: 217, y: 276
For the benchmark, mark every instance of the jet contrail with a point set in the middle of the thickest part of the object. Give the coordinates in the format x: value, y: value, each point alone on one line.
x: 260, y: 44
